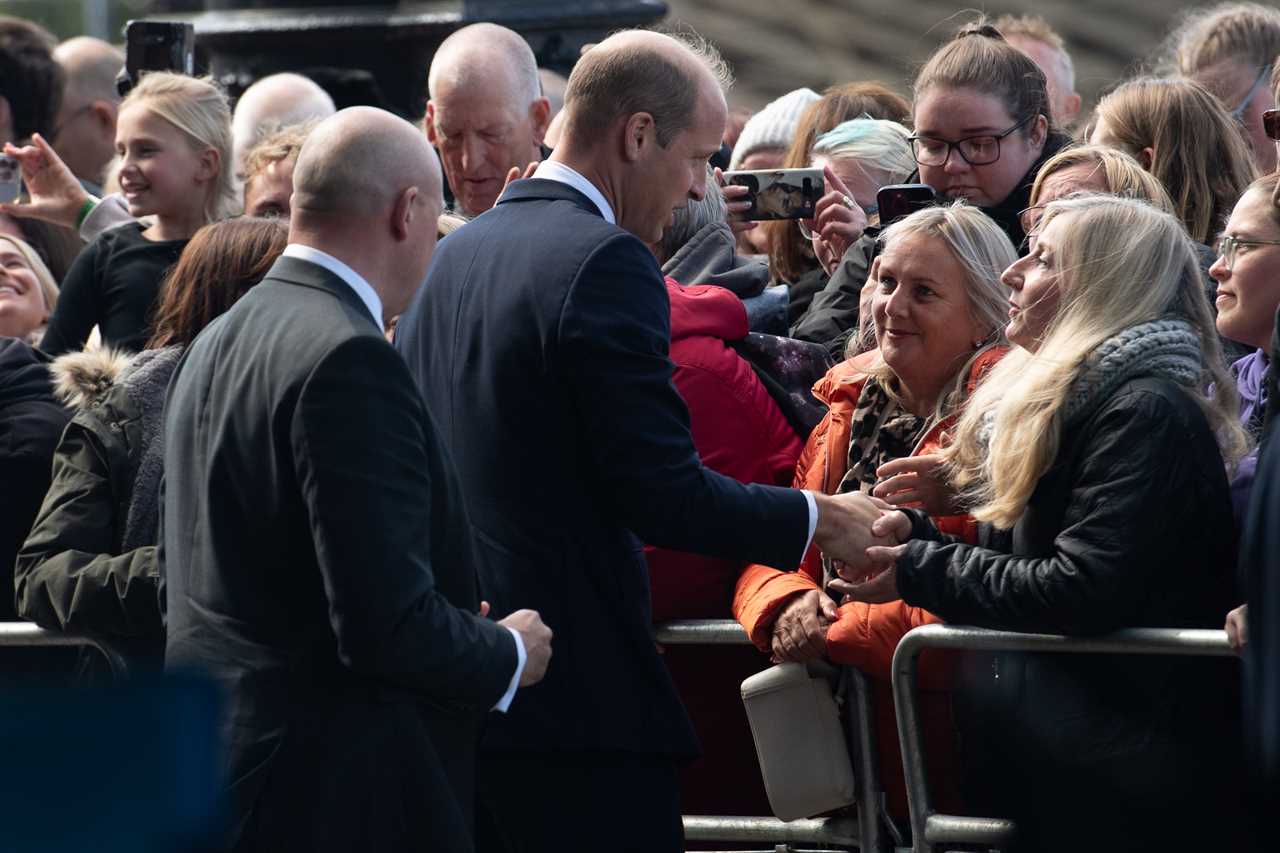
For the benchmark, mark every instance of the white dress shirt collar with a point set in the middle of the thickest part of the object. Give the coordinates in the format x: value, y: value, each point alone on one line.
x: 551, y: 170
x: 353, y: 279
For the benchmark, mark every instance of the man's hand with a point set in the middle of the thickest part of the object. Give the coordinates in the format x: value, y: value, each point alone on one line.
x: 1237, y: 627
x: 844, y: 529
x: 800, y: 631
x: 537, y: 644
x: 514, y: 174
x: 877, y: 582
x: 56, y: 195
x: 917, y: 481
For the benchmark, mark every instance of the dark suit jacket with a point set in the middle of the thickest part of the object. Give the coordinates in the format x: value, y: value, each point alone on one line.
x: 540, y: 344
x: 315, y: 560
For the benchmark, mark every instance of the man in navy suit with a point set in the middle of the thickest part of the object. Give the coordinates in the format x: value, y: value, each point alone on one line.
x: 540, y: 344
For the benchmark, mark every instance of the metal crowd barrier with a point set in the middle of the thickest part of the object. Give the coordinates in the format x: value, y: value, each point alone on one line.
x: 30, y: 635
x: 869, y: 832
x: 928, y: 828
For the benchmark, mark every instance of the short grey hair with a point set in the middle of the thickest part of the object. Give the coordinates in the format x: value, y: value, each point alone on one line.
x: 880, y: 147
x: 693, y: 217
x: 477, y: 48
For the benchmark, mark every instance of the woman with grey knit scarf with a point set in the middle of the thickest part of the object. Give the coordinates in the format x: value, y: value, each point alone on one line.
x: 89, y: 563
x: 1097, y: 463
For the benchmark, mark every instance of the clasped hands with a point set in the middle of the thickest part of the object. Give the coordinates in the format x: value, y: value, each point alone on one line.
x: 863, y: 537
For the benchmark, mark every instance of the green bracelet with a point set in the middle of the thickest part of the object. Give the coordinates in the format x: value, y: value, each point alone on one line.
x: 85, y: 209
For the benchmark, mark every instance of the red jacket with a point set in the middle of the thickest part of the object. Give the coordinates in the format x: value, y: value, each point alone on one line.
x: 738, y: 431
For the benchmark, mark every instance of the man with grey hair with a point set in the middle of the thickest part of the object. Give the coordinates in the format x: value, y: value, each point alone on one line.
x: 272, y: 103
x: 313, y: 545
x: 486, y: 113
x: 540, y: 342
x: 84, y: 133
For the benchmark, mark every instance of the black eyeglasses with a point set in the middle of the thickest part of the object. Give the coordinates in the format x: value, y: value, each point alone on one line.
x: 974, y: 150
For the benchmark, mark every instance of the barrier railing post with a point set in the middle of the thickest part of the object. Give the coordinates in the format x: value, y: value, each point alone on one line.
x: 929, y: 828
x: 864, y: 832
x: 30, y: 635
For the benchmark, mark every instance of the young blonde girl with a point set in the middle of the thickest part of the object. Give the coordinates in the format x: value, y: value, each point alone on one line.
x: 173, y: 146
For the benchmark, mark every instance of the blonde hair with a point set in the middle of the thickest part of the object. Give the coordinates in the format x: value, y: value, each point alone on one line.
x: 1121, y: 262
x: 1123, y: 175
x: 48, y: 285
x: 1197, y: 151
x: 197, y: 107
x: 984, y: 251
x: 1246, y: 32
x: 276, y: 147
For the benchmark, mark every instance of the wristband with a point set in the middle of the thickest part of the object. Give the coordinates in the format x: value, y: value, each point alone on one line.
x: 85, y: 209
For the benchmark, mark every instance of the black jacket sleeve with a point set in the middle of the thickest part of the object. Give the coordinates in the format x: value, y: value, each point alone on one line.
x: 359, y: 447
x: 614, y: 331
x: 68, y: 576
x: 79, y: 303
x: 834, y: 314
x: 1138, y: 476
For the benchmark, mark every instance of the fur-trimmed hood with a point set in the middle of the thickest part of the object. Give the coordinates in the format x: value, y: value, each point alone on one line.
x: 81, y: 379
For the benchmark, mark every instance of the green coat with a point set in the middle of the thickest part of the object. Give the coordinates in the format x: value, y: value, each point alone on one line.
x: 72, y: 573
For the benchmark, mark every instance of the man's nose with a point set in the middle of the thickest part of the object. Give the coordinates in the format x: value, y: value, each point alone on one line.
x: 472, y: 153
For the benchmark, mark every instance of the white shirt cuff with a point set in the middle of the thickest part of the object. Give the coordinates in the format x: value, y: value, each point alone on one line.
x: 813, y: 522
x: 521, y: 656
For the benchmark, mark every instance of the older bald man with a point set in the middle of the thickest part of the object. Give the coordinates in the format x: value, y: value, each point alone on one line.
x: 315, y: 552
x: 486, y: 113
x: 84, y: 133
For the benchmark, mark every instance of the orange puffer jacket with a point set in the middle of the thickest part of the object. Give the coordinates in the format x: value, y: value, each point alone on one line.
x: 865, y: 635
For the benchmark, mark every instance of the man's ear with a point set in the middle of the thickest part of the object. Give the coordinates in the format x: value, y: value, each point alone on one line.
x: 638, y: 135
x: 1071, y: 107
x: 540, y: 118
x: 104, y: 116
x: 429, y: 123
x: 402, y: 214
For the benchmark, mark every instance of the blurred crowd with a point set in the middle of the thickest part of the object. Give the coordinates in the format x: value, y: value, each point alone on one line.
x: 408, y: 432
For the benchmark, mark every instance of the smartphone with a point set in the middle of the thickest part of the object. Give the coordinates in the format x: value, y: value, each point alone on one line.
x: 157, y: 46
x: 780, y: 193
x: 10, y: 179
x: 899, y: 200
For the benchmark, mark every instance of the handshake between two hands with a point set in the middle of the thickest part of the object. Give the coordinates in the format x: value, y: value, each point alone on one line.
x: 862, y: 536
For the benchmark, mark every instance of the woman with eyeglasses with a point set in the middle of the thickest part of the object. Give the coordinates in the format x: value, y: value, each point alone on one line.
x: 1247, y: 272
x: 1096, y: 466
x: 1231, y: 49
x: 983, y: 125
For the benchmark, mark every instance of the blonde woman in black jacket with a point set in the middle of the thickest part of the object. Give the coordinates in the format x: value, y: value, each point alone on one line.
x: 1096, y: 461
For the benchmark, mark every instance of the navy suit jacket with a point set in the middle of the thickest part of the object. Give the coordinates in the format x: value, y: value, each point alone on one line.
x: 539, y: 342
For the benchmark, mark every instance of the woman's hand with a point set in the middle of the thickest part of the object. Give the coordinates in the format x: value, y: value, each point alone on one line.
x: 56, y: 195
x: 737, y: 199
x: 837, y: 222
x: 800, y: 631
x: 1237, y: 627
x: 918, y: 482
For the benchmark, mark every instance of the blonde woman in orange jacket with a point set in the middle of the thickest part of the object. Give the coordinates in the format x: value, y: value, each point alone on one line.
x: 939, y: 311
